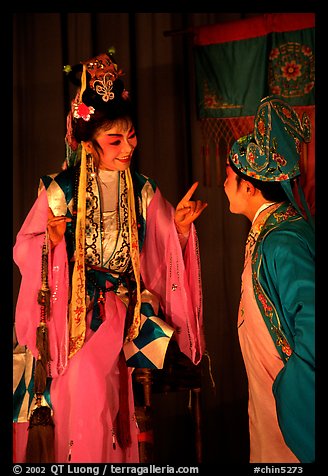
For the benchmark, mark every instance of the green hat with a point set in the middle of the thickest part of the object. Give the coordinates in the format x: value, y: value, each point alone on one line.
x: 272, y: 152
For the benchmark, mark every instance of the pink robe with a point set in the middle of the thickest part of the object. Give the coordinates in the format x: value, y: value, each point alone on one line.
x: 85, y: 388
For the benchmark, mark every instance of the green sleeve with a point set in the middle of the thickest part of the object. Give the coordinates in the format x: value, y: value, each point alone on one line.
x: 288, y: 275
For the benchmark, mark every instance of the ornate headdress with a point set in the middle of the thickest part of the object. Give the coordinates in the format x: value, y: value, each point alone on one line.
x: 103, y: 72
x: 272, y: 152
x: 99, y: 88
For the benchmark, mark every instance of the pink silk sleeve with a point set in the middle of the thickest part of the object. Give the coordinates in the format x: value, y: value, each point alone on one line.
x: 174, y: 276
x: 27, y: 255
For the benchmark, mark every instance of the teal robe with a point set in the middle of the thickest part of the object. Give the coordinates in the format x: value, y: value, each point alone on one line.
x: 283, y: 270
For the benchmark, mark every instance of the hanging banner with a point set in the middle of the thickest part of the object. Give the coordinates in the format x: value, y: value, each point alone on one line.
x: 238, y: 63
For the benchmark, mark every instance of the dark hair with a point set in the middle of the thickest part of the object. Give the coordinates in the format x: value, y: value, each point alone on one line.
x: 272, y: 191
x: 85, y: 130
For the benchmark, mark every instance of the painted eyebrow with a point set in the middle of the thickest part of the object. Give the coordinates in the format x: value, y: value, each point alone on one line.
x: 120, y: 135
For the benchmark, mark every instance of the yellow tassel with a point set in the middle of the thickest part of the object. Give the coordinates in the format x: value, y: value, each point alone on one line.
x: 77, y: 308
x: 134, y: 251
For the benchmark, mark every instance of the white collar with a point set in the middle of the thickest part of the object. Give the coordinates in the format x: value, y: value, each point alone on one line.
x: 262, y: 207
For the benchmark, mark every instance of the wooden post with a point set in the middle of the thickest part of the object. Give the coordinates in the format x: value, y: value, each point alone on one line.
x: 143, y: 376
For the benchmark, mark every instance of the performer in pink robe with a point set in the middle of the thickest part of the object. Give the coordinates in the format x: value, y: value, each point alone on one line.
x: 123, y: 275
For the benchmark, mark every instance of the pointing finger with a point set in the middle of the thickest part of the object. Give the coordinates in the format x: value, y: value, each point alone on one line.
x: 190, y: 192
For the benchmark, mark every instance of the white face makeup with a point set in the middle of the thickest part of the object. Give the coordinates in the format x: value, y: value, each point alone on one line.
x: 117, y: 144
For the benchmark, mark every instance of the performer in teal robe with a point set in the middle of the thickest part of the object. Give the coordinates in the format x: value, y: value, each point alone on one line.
x: 276, y: 322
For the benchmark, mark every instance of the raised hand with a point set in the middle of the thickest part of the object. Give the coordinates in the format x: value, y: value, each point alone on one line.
x: 56, y: 227
x: 188, y: 210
